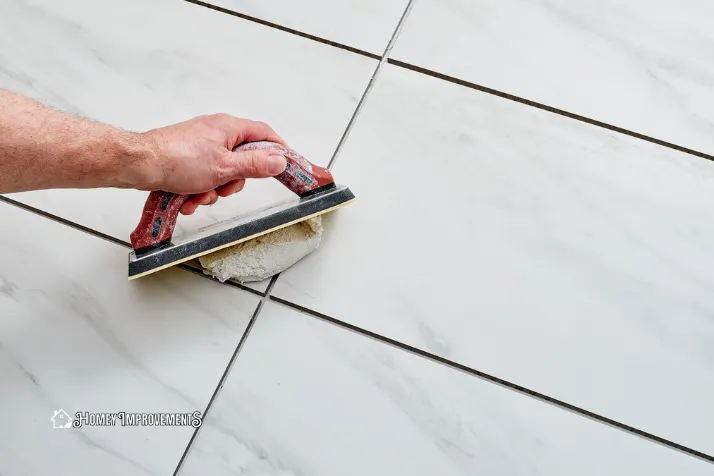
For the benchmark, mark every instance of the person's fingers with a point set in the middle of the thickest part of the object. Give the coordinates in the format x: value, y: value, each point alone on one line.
x: 206, y: 198
x: 213, y: 198
x: 189, y: 207
x: 243, y: 130
x: 230, y: 188
x: 254, y: 164
x: 253, y: 131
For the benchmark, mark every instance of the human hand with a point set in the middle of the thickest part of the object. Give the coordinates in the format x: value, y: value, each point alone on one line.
x: 196, y: 157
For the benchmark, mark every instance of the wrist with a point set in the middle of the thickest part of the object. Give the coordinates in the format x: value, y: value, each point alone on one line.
x: 137, y: 155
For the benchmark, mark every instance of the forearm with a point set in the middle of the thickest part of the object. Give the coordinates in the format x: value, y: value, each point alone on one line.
x: 43, y: 148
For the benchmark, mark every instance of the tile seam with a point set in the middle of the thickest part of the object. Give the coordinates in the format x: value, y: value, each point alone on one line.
x: 285, y: 29
x: 65, y: 222
x: 382, y: 61
x: 226, y: 374
x: 468, y: 84
x: 492, y: 379
x: 545, y: 107
x: 116, y: 241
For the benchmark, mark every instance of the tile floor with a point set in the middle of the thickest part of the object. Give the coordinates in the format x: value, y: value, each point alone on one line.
x: 517, y: 289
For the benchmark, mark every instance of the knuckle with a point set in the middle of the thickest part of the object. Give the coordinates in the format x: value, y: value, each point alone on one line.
x: 218, y: 176
x: 267, y: 130
x: 221, y: 172
x: 253, y: 164
x: 213, y: 119
x: 222, y: 169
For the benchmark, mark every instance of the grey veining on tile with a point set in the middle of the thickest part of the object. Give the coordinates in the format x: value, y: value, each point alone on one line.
x: 165, y: 61
x: 560, y: 256
x: 333, y: 402
x: 76, y: 335
x: 363, y: 24
x: 644, y: 65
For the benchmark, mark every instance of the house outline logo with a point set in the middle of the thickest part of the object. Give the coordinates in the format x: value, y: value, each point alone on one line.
x: 59, y: 419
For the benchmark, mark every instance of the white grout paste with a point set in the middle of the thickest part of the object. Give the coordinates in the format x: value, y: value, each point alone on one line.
x: 264, y: 256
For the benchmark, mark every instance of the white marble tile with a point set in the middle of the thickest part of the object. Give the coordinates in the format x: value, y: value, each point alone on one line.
x: 555, y: 254
x: 333, y: 402
x: 165, y: 61
x: 364, y: 24
x: 644, y: 65
x: 76, y: 335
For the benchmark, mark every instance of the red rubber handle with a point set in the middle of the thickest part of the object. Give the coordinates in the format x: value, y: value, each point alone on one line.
x: 158, y: 220
x: 300, y: 176
x: 161, y: 209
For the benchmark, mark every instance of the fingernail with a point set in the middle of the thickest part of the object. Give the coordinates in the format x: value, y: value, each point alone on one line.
x: 276, y: 164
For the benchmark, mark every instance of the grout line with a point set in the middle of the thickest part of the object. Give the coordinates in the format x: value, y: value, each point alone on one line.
x: 226, y: 374
x: 398, y: 30
x: 371, y: 83
x: 292, y: 31
x: 116, y: 241
x: 356, y: 112
x: 450, y: 79
x: 65, y: 222
x: 537, y: 105
x: 269, y: 289
x: 497, y: 381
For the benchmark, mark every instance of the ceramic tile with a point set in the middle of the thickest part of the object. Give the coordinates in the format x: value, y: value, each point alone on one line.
x: 364, y: 24
x: 638, y: 64
x: 551, y: 253
x: 333, y: 402
x: 76, y: 335
x: 71, y: 56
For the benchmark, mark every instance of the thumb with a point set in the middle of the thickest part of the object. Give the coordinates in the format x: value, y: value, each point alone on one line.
x: 256, y: 164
